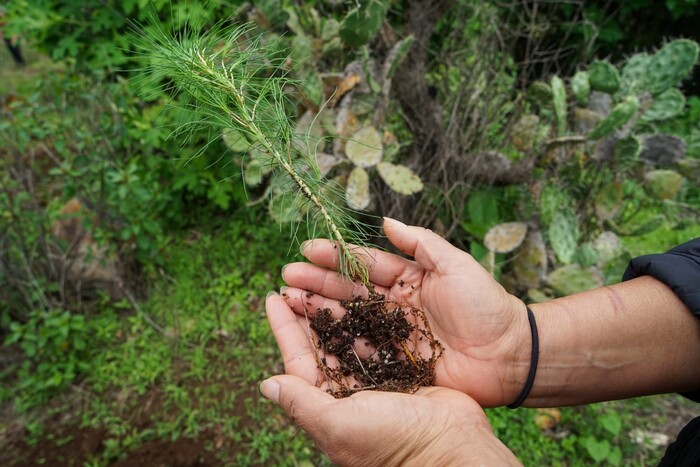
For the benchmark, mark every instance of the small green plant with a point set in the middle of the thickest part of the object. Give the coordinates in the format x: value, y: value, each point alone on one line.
x: 55, y: 344
x: 232, y: 84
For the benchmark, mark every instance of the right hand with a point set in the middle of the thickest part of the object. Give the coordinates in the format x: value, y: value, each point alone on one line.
x: 484, y: 329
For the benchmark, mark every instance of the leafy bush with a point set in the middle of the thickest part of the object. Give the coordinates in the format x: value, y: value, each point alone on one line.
x: 55, y: 345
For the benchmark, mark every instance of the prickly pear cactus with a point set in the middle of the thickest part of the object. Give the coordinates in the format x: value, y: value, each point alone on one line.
x: 572, y: 278
x: 663, y: 184
x: 608, y: 201
x: 357, y: 189
x: 670, y: 65
x: 530, y: 264
x: 609, y: 247
x: 401, y: 179
x: 505, y: 237
x: 581, y: 87
x: 540, y: 93
x: 604, y: 77
x: 634, y: 73
x: 559, y: 102
x: 668, y: 104
x: 619, y: 115
x: 662, y: 150
x: 563, y: 235
x: 627, y: 151
x: 363, y: 22
x: 525, y: 132
x: 365, y: 147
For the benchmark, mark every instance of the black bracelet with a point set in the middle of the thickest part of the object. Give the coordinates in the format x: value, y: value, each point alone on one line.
x: 534, y: 358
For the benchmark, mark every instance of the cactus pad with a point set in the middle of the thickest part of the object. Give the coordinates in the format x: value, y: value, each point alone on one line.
x: 530, y: 264
x: 400, y: 178
x: 619, y: 115
x: 666, y: 105
x: 235, y: 141
x: 525, y: 132
x: 627, y: 152
x: 604, y: 77
x: 563, y: 235
x: 609, y: 246
x: 559, y: 102
x: 506, y: 237
x: 365, y: 147
x: 581, y: 87
x: 670, y: 64
x: 357, y: 189
x: 662, y: 150
x: 663, y: 184
x: 572, y: 278
x: 634, y: 72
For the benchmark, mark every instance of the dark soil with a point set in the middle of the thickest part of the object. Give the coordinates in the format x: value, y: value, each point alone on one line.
x: 378, y: 344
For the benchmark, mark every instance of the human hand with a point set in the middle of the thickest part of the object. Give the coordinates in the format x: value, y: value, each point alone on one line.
x: 435, y: 426
x: 483, y: 328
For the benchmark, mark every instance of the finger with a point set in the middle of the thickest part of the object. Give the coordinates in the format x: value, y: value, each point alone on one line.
x: 325, y: 282
x: 308, y: 405
x: 306, y: 303
x: 385, y: 269
x: 292, y: 338
x: 431, y: 251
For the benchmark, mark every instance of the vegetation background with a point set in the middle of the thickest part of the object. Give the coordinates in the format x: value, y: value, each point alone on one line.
x: 134, y: 258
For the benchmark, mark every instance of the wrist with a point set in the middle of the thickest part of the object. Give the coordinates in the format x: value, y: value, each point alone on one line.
x: 519, y: 358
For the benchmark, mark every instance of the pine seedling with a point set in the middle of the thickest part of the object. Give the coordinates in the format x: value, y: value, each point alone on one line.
x: 230, y: 79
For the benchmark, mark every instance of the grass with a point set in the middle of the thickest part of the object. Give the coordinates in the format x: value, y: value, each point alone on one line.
x: 195, y: 376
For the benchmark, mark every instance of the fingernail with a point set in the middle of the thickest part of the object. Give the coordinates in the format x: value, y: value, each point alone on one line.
x: 270, y: 294
x: 283, y: 268
x: 271, y: 390
x: 390, y: 220
x: 304, y: 245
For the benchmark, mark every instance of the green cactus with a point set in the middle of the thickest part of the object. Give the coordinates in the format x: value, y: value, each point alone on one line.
x: 627, y: 152
x: 563, y: 234
x: 572, y: 278
x: 362, y: 23
x: 663, y: 184
x: 540, y: 93
x: 608, y: 246
x: 603, y: 77
x: 619, y: 115
x: 586, y: 255
x: 559, y: 102
x: 666, y: 105
x: 634, y: 73
x: 581, y: 87
x: 670, y: 64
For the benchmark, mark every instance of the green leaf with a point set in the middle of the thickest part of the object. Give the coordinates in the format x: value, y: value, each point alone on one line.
x: 612, y: 422
x: 598, y: 450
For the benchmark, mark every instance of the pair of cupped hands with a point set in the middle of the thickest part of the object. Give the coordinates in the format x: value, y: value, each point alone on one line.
x: 484, y: 331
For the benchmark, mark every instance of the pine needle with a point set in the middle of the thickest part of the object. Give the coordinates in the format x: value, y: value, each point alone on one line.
x: 228, y: 78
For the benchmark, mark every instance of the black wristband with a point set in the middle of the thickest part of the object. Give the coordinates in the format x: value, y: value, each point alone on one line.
x: 534, y: 358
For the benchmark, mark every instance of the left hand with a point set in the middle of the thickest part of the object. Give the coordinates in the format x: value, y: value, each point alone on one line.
x: 435, y: 426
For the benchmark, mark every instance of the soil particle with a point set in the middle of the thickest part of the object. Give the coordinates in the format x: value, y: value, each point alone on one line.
x: 390, y: 339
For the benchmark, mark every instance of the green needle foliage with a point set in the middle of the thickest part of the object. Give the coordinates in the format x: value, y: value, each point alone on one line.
x: 228, y: 78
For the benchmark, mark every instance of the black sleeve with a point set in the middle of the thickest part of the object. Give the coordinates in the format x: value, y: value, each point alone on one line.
x: 678, y: 268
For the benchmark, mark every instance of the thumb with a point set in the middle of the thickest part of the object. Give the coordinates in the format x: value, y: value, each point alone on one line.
x: 431, y: 251
x: 301, y: 400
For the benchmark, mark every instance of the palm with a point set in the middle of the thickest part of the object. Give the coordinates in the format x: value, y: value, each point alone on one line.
x: 468, y: 311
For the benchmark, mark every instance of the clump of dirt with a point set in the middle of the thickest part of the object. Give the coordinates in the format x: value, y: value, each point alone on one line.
x: 377, y: 344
